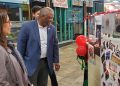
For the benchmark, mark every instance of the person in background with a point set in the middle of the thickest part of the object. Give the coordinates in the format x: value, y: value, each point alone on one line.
x: 35, y: 11
x: 12, y: 68
x: 38, y: 45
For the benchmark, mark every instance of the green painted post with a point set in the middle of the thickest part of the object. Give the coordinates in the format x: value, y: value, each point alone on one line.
x: 71, y: 24
x: 55, y: 14
x: 69, y: 31
x: 65, y: 32
x: 60, y: 17
x: 71, y: 27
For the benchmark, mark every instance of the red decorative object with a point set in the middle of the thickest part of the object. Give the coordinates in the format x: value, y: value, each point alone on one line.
x: 81, y: 40
x: 81, y: 51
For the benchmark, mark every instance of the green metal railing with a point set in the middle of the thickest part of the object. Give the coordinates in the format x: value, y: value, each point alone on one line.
x: 64, y: 29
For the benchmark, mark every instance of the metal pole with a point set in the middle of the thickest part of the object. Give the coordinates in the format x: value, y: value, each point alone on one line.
x: 69, y: 31
x: 65, y: 34
x: 84, y: 15
x: 85, y: 32
x: 55, y: 20
x: 60, y: 17
x: 71, y: 25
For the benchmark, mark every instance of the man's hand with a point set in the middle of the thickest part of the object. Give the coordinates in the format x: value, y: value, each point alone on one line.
x: 56, y: 66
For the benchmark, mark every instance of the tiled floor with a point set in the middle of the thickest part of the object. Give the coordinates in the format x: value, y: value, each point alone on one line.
x: 70, y: 73
x: 94, y: 72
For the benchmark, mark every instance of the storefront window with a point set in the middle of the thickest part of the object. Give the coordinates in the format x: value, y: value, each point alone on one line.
x: 16, y: 11
x: 25, y: 12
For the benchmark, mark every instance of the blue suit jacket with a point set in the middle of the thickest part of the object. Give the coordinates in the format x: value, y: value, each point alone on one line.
x: 30, y: 47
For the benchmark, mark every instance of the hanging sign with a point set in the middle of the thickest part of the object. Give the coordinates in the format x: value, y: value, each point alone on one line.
x: 77, y: 14
x: 60, y: 3
x: 77, y: 3
x: 69, y: 17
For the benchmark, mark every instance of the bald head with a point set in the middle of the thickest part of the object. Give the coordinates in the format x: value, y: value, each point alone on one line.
x: 45, y: 11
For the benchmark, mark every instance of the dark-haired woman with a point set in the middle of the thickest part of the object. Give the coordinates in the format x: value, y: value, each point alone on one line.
x: 12, y: 69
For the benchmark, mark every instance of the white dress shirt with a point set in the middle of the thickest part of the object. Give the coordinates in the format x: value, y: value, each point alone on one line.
x: 43, y: 40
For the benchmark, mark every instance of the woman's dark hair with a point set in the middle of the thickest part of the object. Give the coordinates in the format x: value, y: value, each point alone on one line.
x: 35, y: 9
x: 3, y: 19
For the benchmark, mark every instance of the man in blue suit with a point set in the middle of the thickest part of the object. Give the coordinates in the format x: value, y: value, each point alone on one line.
x: 38, y: 46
